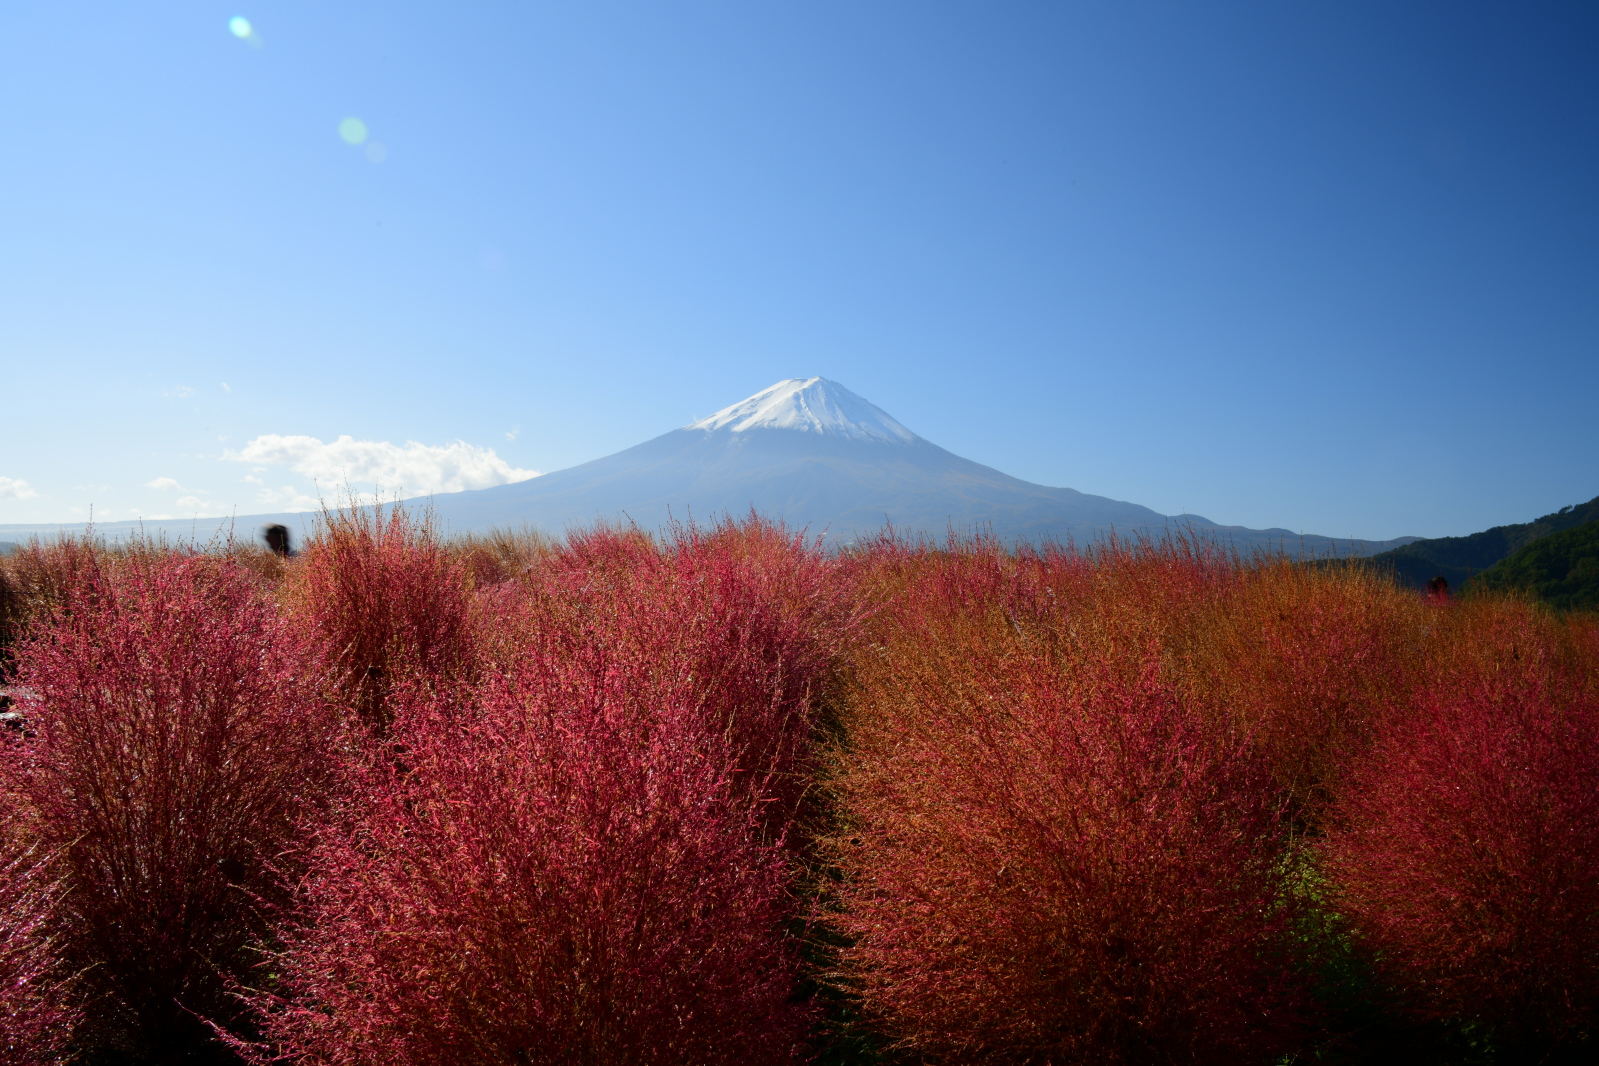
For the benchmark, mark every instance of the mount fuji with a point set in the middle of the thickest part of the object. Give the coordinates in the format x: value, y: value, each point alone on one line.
x: 812, y: 453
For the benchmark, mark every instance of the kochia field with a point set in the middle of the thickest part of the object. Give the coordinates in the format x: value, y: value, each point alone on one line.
x: 724, y: 797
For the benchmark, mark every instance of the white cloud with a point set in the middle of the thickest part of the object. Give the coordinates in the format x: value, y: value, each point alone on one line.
x: 179, y: 393
x: 288, y: 498
x: 514, y: 433
x: 226, y: 387
x: 190, y: 501
x: 14, y: 488
x: 413, y: 468
x: 163, y: 483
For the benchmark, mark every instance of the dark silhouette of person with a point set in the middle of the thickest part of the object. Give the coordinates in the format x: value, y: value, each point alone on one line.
x: 1438, y: 586
x: 277, y: 538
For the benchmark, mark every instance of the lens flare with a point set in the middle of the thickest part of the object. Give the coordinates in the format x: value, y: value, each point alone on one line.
x: 240, y: 26
x: 353, y: 131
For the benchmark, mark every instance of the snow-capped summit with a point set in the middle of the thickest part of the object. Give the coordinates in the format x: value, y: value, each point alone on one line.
x: 809, y: 405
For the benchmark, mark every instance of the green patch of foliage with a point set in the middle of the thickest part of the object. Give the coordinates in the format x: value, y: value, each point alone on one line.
x: 1460, y: 558
x: 1561, y: 569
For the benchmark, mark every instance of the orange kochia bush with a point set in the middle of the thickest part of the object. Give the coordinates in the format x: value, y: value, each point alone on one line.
x: 383, y: 603
x: 1046, y: 856
x: 1307, y: 660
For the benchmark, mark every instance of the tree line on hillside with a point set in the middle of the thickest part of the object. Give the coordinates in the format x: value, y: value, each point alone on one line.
x: 1513, y: 556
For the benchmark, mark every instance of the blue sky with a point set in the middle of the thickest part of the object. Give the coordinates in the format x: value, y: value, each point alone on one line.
x: 1328, y: 266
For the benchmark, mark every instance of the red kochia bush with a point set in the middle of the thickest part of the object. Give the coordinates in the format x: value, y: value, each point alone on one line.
x: 560, y: 872
x: 172, y: 750
x: 34, y: 1019
x: 582, y: 857
x: 1467, y: 857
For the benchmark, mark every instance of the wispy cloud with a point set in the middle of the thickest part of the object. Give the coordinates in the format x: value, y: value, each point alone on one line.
x: 163, y: 483
x: 179, y: 393
x: 412, y: 467
x: 193, y: 505
x: 14, y: 488
x: 288, y: 498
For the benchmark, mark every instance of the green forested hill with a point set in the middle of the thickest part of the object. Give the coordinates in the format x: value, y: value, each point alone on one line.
x: 1460, y: 558
x: 1561, y: 569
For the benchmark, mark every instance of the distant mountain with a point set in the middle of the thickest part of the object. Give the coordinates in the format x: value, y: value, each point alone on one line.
x: 1562, y: 569
x: 815, y: 455
x: 1460, y: 558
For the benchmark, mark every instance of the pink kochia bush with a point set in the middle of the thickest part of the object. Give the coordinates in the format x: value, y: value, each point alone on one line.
x: 579, y: 861
x: 741, y: 621
x: 35, y: 1020
x: 549, y: 882
x: 173, y: 748
x: 1466, y: 856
